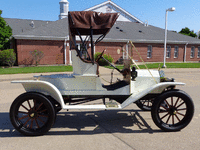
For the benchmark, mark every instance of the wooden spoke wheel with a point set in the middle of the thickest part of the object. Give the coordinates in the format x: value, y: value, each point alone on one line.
x: 145, y: 104
x: 172, y: 110
x: 32, y: 114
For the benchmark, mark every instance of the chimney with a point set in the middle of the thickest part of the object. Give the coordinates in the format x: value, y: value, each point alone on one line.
x: 64, y: 8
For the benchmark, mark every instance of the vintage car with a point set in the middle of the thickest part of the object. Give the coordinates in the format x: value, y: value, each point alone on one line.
x: 34, y: 112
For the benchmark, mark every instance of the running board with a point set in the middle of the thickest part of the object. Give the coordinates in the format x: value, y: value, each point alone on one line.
x: 99, y: 107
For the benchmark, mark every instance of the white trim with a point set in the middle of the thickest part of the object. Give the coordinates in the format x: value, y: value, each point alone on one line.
x: 168, y: 51
x: 117, y: 7
x: 127, y: 52
x: 198, y: 52
x: 65, y: 50
x: 149, y: 51
x: 175, y: 51
x: 192, y: 53
x: 33, y: 37
x: 185, y: 52
x: 148, y: 41
x: 70, y: 57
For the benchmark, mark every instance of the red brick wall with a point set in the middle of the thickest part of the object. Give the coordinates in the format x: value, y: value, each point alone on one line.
x: 111, y: 49
x: 54, y: 51
x: 157, y: 51
x: 188, y: 52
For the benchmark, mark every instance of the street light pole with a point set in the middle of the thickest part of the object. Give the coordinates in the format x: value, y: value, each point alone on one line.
x: 165, y: 43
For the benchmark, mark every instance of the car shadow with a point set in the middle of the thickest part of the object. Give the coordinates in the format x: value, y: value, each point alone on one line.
x: 88, y: 122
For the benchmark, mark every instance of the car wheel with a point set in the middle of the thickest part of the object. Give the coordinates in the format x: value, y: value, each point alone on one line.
x: 172, y: 110
x: 32, y: 114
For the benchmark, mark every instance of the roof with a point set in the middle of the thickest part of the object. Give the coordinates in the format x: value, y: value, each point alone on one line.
x: 140, y: 33
x: 120, y: 32
x: 22, y: 25
x: 117, y: 9
x: 57, y: 30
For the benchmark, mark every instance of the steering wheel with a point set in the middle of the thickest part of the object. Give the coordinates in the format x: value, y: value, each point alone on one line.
x: 99, y: 56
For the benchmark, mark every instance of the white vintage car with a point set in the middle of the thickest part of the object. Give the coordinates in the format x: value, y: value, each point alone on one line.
x: 34, y: 112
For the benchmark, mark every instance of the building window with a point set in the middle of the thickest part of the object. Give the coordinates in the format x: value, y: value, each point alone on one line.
x: 176, y: 52
x: 149, y: 51
x: 198, y: 55
x: 168, y: 55
x: 192, y: 52
x: 82, y: 51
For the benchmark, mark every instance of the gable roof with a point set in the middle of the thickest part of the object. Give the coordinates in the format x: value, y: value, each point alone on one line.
x: 57, y: 30
x: 117, y: 8
x: 22, y: 25
x: 139, y: 33
x: 120, y: 32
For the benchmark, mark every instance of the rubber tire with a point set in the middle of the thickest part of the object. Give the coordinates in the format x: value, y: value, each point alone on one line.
x: 188, y: 115
x: 24, y: 130
x: 143, y: 107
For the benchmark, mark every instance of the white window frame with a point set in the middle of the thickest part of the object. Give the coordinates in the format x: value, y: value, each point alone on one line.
x: 192, y: 53
x: 198, y: 54
x: 176, y: 49
x: 149, y: 51
x: 168, y: 52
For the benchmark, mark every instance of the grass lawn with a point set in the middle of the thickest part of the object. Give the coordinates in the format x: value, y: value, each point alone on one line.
x: 43, y: 69
x: 40, y: 69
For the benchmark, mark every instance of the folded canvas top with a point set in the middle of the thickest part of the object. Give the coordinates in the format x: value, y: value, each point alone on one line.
x: 84, y: 21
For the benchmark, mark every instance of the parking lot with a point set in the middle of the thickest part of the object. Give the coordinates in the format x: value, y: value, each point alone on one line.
x: 130, y: 128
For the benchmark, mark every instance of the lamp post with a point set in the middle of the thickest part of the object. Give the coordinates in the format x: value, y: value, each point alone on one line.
x: 165, y: 44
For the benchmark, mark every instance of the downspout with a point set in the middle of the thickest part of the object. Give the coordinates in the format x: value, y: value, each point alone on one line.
x: 184, y: 60
x: 127, y: 52
x: 65, y: 50
x: 16, y: 50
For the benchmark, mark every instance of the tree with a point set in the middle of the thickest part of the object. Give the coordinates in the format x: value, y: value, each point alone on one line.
x: 186, y: 31
x: 5, y: 34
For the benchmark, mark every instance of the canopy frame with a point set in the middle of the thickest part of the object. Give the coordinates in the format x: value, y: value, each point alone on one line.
x: 89, y: 23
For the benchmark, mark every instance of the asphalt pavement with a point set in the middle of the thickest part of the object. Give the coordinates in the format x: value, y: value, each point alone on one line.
x: 130, y: 128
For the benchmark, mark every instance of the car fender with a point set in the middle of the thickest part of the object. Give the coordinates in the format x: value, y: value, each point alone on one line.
x: 43, y: 87
x: 157, y: 88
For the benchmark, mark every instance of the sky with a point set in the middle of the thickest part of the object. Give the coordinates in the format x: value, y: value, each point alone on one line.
x: 187, y: 13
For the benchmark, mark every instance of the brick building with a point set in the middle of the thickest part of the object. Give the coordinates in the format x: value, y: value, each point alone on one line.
x: 52, y: 38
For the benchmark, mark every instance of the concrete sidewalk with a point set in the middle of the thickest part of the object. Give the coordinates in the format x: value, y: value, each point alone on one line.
x: 29, y: 76
x: 103, y: 71
x: 130, y: 128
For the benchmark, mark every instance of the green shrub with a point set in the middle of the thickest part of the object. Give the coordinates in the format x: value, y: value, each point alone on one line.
x: 7, y: 57
x: 102, y: 62
x: 37, y: 56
